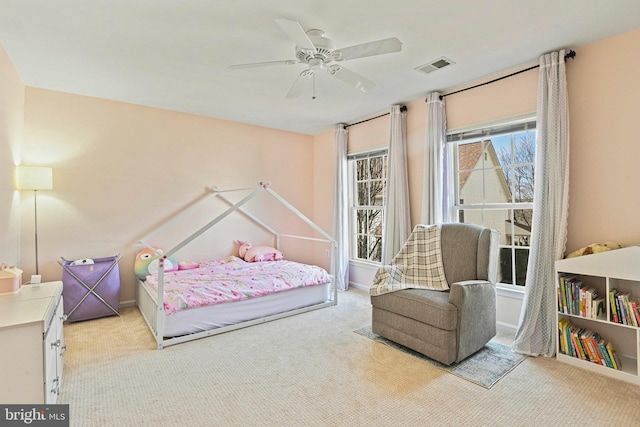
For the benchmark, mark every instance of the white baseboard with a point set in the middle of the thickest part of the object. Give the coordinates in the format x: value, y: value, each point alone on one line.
x: 359, y: 286
x: 506, y: 327
x: 130, y: 303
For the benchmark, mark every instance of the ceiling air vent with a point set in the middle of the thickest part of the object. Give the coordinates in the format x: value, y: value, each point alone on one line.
x: 434, y: 65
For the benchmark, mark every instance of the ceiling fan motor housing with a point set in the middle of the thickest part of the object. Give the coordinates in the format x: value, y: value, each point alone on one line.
x: 323, y: 53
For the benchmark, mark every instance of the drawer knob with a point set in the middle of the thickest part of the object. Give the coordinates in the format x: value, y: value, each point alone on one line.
x: 56, y: 344
x: 56, y: 386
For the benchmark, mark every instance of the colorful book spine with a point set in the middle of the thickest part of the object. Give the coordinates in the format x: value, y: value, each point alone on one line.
x: 598, y: 309
x: 562, y: 295
x: 613, y: 305
x: 585, y: 344
x: 613, y: 356
x: 635, y: 306
x: 605, y: 354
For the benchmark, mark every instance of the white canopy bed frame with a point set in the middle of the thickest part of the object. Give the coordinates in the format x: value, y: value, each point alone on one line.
x: 278, y: 305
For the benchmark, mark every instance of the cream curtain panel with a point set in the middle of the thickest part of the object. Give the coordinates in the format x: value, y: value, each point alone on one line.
x: 341, y: 209
x: 435, y: 205
x: 536, y: 328
x: 397, y: 216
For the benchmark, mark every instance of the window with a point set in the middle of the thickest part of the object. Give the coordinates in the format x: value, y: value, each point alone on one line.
x: 368, y: 185
x: 494, y: 180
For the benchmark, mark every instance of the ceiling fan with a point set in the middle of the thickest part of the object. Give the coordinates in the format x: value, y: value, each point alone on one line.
x: 318, y: 53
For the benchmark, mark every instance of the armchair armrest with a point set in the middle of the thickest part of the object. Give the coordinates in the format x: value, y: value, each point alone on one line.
x: 476, y: 304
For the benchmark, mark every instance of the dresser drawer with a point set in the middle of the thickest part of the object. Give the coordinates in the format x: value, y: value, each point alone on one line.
x: 33, y: 346
x: 53, y: 352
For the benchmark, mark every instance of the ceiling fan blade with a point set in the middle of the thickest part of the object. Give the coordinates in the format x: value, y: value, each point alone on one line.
x: 378, y: 47
x: 351, y: 78
x: 300, y: 83
x: 296, y: 33
x: 263, y: 64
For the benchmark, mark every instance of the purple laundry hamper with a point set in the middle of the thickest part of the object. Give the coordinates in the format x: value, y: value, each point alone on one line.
x: 90, y: 288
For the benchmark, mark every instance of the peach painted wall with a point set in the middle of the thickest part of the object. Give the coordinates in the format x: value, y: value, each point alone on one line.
x: 120, y: 170
x: 324, y: 166
x: 604, y: 94
x: 511, y: 97
x: 11, y: 124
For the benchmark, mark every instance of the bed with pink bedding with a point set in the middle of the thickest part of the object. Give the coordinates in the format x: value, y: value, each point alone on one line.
x: 228, y: 292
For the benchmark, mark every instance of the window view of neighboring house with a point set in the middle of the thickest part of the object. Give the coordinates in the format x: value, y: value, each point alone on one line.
x: 494, y: 174
x: 367, y: 176
x: 493, y: 170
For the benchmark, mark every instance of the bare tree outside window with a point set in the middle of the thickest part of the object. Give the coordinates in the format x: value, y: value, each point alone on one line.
x: 495, y: 175
x: 522, y: 174
x: 370, y: 198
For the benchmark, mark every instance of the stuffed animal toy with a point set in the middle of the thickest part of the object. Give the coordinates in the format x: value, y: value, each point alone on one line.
x: 147, y: 262
x: 595, y: 248
x: 251, y: 253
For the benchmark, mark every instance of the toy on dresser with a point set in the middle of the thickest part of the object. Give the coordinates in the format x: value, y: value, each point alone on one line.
x: 10, y: 279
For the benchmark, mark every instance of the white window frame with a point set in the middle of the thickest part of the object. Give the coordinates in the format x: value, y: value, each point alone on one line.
x: 527, y: 122
x: 353, y: 207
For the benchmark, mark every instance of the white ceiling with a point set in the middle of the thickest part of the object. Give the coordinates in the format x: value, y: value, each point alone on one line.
x: 174, y: 54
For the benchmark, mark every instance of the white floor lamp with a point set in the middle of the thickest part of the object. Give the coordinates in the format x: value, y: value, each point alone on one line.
x: 34, y: 178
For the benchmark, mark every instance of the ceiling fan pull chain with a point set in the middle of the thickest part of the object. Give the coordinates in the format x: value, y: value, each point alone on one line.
x: 313, y: 76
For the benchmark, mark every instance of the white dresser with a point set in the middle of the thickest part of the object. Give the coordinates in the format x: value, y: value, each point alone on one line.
x: 31, y: 344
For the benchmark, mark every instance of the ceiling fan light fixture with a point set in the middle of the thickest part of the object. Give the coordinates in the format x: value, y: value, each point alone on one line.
x: 316, y: 64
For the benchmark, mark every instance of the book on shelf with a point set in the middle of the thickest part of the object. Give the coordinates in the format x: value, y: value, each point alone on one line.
x: 585, y: 344
x: 605, y: 354
x: 622, y: 313
x: 566, y: 292
x: 565, y: 339
x: 576, y: 296
x: 635, y: 306
x: 626, y: 303
x: 563, y: 302
x: 591, y: 352
x: 579, y: 299
x: 612, y: 355
x: 613, y: 305
x: 566, y: 298
x: 624, y: 308
x: 578, y: 349
x: 598, y: 310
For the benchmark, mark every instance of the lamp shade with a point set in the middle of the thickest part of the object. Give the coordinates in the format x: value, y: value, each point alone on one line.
x: 34, y: 178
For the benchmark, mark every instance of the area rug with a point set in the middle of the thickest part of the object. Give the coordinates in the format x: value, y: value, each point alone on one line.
x: 484, y: 368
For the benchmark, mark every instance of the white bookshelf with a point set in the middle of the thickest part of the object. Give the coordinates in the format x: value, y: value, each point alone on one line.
x: 618, y: 269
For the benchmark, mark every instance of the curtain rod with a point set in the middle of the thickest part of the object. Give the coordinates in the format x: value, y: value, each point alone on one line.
x: 570, y: 55
x: 402, y: 110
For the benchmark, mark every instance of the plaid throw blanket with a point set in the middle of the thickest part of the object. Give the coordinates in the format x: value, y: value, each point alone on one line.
x: 417, y: 265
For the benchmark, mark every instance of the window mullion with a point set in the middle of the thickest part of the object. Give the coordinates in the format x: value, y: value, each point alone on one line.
x: 367, y: 204
x: 493, y: 177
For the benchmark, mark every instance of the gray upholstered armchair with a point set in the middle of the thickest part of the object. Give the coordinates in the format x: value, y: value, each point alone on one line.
x: 447, y: 326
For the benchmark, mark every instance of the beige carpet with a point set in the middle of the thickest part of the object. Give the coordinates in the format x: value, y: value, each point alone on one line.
x: 484, y: 368
x: 312, y: 370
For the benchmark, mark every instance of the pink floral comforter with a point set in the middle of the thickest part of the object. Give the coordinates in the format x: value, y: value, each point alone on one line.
x: 233, y: 279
